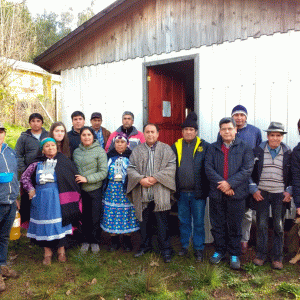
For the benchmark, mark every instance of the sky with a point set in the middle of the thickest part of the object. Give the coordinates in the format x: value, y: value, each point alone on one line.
x: 58, y: 6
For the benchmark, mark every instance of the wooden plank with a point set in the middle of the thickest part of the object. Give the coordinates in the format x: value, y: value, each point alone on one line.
x: 167, y: 25
x: 220, y: 20
x: 152, y: 40
x: 229, y: 31
x: 187, y: 25
x: 194, y: 41
x: 288, y: 14
x: 159, y: 27
x: 175, y: 17
x: 297, y: 16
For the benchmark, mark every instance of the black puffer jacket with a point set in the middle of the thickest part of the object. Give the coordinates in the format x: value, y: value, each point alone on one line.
x: 28, y: 148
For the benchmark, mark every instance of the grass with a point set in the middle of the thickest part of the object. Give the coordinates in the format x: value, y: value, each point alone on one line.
x: 118, y: 275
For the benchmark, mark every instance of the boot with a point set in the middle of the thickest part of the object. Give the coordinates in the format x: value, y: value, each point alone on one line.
x: 8, y: 272
x: 114, y: 242
x: 2, y: 284
x: 127, y: 243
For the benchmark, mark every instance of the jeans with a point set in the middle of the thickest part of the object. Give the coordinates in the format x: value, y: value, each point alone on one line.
x: 226, y: 221
x: 7, y: 217
x: 161, y: 218
x: 191, y: 216
x: 262, y: 218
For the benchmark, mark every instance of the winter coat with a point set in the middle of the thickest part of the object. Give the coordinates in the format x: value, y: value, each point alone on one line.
x: 28, y: 148
x: 135, y: 138
x: 240, y: 166
x: 295, y: 168
x: 8, y: 164
x: 201, y: 181
x: 91, y: 163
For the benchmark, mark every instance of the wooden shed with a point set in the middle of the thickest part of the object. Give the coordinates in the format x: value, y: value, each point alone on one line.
x: 163, y: 58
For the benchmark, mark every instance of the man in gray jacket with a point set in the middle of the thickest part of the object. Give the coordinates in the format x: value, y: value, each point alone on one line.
x: 27, y: 149
x: 9, y: 190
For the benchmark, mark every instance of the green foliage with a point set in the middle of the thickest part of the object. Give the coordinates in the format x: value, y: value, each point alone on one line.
x: 12, y: 134
x: 199, y: 295
x: 86, y: 14
x: 288, y: 288
x: 204, y: 276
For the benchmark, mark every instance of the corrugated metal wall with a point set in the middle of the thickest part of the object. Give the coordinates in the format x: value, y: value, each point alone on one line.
x: 262, y: 74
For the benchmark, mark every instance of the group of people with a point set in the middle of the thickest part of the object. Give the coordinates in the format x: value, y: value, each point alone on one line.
x: 93, y: 180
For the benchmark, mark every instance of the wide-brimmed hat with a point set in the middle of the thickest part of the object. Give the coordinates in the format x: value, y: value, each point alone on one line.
x: 2, y: 126
x: 276, y: 127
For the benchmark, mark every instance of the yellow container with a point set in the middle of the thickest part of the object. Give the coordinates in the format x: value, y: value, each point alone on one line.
x: 15, y: 232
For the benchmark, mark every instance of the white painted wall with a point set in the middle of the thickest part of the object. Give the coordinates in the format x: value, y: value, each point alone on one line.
x: 262, y: 74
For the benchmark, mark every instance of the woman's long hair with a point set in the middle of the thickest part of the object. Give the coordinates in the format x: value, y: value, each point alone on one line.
x: 64, y: 147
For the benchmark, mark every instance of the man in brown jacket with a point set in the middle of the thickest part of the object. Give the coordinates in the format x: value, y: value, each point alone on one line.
x: 101, y: 132
x: 151, y: 180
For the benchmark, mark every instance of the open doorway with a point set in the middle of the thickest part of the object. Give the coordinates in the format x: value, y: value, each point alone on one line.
x: 170, y: 95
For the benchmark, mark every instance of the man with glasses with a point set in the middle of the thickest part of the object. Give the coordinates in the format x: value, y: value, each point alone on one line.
x: 228, y: 166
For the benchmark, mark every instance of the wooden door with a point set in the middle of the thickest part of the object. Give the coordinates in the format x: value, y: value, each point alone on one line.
x: 166, y: 103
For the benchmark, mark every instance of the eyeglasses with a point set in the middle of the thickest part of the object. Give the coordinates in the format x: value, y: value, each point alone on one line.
x: 227, y: 129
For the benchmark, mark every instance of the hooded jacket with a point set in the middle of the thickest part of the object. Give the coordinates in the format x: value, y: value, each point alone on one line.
x: 28, y: 148
x: 8, y: 164
x: 135, y: 138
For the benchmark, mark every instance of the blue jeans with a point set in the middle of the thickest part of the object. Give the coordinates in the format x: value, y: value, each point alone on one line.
x: 191, y: 213
x: 7, y: 217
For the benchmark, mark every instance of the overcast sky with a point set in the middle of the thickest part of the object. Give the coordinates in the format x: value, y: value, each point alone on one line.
x: 59, y: 6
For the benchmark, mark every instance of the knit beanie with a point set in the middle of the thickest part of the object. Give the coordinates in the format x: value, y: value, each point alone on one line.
x: 239, y: 109
x: 190, y: 121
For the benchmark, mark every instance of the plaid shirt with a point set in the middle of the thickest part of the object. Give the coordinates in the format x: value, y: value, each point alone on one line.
x: 100, y: 138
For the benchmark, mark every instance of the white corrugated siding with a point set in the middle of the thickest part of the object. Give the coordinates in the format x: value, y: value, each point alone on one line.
x: 262, y: 74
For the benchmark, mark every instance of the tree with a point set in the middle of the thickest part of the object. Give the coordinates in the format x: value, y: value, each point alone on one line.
x: 86, y: 14
x: 49, y: 29
x: 16, y: 37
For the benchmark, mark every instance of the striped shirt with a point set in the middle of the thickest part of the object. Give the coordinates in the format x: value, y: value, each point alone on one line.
x: 150, y: 169
x: 271, y: 179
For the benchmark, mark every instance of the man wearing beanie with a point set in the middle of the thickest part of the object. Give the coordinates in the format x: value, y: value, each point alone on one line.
x: 134, y: 136
x: 251, y: 135
x: 191, y: 186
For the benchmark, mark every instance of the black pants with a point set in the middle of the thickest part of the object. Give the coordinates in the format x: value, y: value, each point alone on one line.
x: 91, y: 215
x: 162, y: 229
x: 226, y: 220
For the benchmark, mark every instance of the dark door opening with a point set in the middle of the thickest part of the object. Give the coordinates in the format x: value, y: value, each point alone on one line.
x: 170, y: 97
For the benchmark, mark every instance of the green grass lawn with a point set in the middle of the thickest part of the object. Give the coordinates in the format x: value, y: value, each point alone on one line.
x: 119, y: 275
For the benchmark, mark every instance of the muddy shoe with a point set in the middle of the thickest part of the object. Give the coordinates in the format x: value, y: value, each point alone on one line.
x: 7, y: 272
x: 2, y: 284
x: 62, y: 258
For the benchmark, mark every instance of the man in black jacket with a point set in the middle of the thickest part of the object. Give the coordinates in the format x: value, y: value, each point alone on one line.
x: 228, y: 165
x: 191, y: 186
x: 78, y: 120
x: 271, y: 185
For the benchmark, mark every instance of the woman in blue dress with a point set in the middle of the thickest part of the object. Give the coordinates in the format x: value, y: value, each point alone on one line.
x: 54, y: 194
x: 118, y: 212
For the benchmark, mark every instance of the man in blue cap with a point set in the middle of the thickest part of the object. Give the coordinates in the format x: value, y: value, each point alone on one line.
x: 251, y: 135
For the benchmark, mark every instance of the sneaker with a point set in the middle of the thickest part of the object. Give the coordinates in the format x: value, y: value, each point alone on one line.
x: 84, y: 248
x: 95, y: 248
x: 198, y: 255
x: 216, y: 258
x: 183, y: 252
x: 235, y: 262
x: 2, y: 284
x: 7, y: 272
